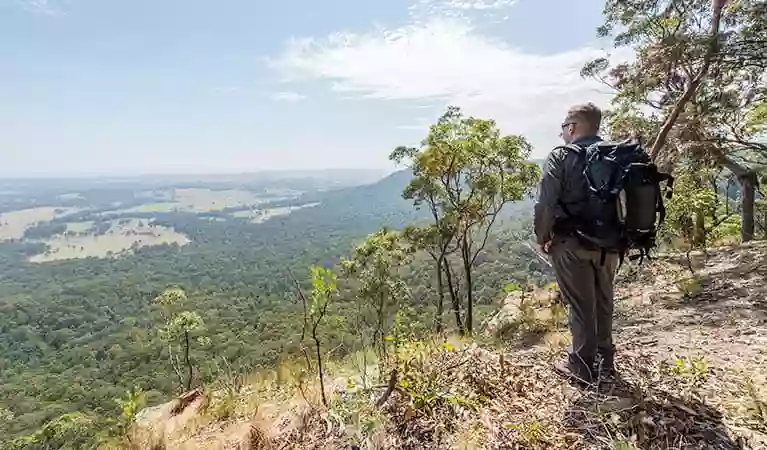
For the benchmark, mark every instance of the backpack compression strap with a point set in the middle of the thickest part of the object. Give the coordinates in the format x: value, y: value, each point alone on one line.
x: 669, y: 192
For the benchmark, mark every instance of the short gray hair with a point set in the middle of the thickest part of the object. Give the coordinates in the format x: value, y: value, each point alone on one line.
x: 587, y: 114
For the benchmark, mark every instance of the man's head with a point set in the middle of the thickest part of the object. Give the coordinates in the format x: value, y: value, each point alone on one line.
x: 581, y: 121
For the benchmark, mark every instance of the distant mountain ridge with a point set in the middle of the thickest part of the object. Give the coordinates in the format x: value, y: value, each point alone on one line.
x: 383, y: 200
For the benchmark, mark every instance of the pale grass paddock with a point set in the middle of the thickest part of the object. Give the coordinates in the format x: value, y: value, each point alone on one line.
x: 120, y: 238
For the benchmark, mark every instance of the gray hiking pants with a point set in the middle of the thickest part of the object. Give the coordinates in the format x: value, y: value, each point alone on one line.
x: 585, y: 278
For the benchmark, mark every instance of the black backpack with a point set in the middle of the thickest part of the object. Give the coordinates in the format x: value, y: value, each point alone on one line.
x: 624, y: 205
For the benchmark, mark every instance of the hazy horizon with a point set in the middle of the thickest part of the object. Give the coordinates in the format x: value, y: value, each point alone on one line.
x: 92, y: 88
x: 201, y: 174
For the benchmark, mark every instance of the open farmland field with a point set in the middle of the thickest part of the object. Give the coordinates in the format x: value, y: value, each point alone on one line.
x: 79, y: 227
x: 152, y: 208
x: 14, y: 223
x: 262, y: 215
x: 200, y: 200
x: 122, y: 236
x: 203, y: 200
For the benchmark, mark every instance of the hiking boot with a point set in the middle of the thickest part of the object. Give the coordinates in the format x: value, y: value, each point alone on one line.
x: 575, y: 371
x: 607, y: 371
x: 606, y: 366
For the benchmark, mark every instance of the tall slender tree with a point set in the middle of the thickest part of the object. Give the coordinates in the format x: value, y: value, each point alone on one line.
x: 324, y: 290
x: 178, y: 334
x: 466, y: 172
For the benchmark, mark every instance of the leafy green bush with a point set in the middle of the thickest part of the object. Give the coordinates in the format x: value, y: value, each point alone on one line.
x: 73, y: 431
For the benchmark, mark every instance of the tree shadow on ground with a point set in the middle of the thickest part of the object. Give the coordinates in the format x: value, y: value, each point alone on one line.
x: 732, y: 289
x: 518, y: 335
x: 528, y: 339
x: 655, y: 419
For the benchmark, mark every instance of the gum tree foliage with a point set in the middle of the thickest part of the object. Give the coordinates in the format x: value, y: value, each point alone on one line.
x: 465, y: 172
x: 80, y: 431
x: 177, y: 332
x: 324, y: 289
x: 695, y: 88
x: 700, y: 216
x: 377, y: 266
x: 73, y: 431
x: 130, y: 405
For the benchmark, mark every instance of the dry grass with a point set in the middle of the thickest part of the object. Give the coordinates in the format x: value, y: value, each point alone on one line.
x: 500, y: 401
x: 471, y: 397
x: 158, y: 207
x: 692, y: 376
x: 199, y: 200
x: 262, y: 215
x: 13, y: 224
x: 80, y: 227
x: 120, y: 238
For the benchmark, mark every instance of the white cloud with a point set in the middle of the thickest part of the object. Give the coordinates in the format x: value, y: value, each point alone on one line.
x: 425, y: 9
x: 288, y: 96
x: 39, y: 6
x: 481, y: 4
x: 449, y: 61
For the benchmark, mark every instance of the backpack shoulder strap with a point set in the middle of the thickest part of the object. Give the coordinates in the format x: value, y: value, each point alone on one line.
x: 572, y: 147
x: 579, y: 151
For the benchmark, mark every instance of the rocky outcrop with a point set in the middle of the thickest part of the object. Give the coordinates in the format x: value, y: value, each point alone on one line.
x: 522, y: 308
x: 161, y: 424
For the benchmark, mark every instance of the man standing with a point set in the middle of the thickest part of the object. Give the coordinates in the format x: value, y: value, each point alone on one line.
x: 585, y: 273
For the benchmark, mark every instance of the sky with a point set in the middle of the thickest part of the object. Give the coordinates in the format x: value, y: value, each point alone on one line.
x: 198, y: 86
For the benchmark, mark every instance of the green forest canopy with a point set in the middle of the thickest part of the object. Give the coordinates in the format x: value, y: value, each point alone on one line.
x: 76, y: 334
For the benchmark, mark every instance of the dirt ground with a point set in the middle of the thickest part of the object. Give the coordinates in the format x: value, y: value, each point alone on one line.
x: 692, y: 362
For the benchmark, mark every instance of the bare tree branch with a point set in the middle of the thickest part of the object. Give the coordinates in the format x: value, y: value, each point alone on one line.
x: 688, y: 94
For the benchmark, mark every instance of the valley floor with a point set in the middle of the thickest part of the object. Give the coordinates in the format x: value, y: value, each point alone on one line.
x: 692, y: 362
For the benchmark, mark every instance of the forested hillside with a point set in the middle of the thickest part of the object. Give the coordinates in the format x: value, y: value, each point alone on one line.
x: 75, y: 334
x: 360, y: 315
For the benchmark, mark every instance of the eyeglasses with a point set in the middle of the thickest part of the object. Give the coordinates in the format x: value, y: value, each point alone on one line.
x: 566, y: 124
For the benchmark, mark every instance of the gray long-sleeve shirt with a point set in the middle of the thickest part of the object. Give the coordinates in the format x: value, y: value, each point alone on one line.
x: 562, y: 182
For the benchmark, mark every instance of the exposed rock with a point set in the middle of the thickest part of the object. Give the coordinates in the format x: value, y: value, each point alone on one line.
x: 231, y: 436
x: 160, y: 424
x: 511, y: 312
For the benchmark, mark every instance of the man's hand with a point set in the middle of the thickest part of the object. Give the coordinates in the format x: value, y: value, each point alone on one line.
x: 546, y: 247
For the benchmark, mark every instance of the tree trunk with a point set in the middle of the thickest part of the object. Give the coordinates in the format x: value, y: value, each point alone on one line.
x: 454, y: 297
x: 470, y: 300
x: 689, y: 93
x: 187, y: 361
x: 764, y: 226
x: 465, y: 254
x: 319, y: 368
x: 174, y: 365
x: 699, y: 230
x: 748, y: 183
x: 440, y: 296
x: 380, y: 335
x: 389, y: 389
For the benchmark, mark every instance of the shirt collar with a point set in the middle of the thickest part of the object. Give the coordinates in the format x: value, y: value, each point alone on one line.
x: 587, y: 140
